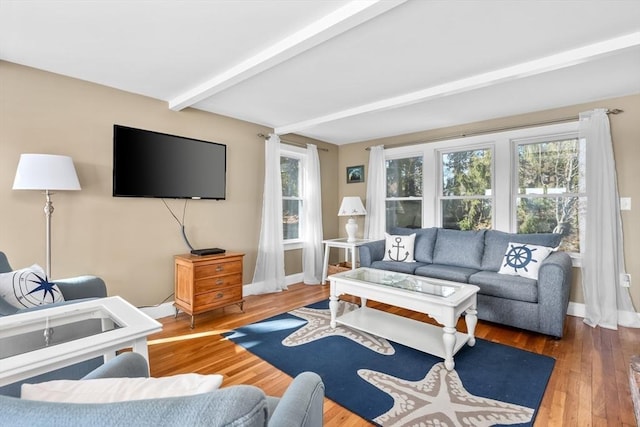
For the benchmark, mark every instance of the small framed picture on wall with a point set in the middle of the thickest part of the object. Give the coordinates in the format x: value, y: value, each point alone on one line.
x: 355, y: 174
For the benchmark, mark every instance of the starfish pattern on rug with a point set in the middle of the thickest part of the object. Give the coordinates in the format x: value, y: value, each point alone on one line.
x: 440, y: 399
x: 318, y: 326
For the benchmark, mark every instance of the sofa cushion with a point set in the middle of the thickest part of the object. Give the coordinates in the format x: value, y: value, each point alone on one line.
x: 523, y: 259
x: 105, y: 390
x: 459, y: 248
x: 425, y: 240
x: 28, y: 287
x: 507, y: 287
x: 399, y: 248
x: 400, y: 267
x: 446, y: 272
x: 496, y: 242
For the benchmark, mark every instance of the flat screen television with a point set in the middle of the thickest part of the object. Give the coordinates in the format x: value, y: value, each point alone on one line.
x: 153, y: 164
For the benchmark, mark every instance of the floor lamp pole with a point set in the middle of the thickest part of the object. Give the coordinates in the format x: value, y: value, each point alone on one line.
x: 48, y: 211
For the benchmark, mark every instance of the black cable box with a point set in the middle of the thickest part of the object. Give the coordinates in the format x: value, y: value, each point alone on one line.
x: 208, y: 251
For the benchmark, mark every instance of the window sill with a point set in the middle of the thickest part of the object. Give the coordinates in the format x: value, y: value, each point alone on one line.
x: 576, y: 260
x: 293, y: 244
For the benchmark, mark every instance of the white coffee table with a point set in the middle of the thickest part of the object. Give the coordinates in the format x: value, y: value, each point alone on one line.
x: 40, y: 341
x: 441, y: 300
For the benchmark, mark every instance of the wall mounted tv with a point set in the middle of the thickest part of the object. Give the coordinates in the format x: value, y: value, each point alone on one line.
x: 153, y: 164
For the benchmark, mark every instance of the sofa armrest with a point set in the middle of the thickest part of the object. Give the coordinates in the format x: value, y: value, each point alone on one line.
x: 554, y: 286
x: 82, y: 287
x: 7, y: 309
x: 73, y: 288
x: 370, y: 252
x: 301, y: 405
x: 124, y: 365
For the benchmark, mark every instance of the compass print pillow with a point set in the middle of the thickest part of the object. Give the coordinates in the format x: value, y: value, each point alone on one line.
x: 28, y: 287
x: 522, y: 259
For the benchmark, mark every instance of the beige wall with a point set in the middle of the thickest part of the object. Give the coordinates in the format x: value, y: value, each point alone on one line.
x: 130, y: 242
x: 625, y: 130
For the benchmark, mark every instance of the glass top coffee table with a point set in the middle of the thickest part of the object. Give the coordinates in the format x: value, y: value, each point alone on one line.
x: 43, y: 340
x: 442, y: 300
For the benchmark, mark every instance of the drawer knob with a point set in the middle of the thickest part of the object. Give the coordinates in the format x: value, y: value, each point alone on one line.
x: 219, y: 295
x: 220, y: 268
x: 219, y: 282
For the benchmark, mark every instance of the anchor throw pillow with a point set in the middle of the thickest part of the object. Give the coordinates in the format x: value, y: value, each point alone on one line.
x: 28, y: 287
x: 522, y: 259
x: 399, y: 248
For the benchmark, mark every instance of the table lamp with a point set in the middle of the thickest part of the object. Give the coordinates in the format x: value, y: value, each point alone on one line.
x: 46, y: 172
x: 351, y: 206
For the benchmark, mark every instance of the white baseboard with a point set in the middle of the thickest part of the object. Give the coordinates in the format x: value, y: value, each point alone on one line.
x: 163, y: 310
x: 167, y: 309
x: 579, y: 310
x: 576, y: 309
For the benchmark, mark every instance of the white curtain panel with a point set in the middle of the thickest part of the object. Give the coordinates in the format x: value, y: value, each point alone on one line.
x: 269, y: 273
x: 607, y: 303
x: 312, y: 220
x: 374, y: 222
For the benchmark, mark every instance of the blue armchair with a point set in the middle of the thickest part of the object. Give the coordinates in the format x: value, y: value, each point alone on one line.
x: 241, y: 405
x: 72, y: 288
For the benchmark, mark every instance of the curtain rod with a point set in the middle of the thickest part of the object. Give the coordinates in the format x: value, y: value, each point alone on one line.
x: 498, y: 129
x: 297, y: 144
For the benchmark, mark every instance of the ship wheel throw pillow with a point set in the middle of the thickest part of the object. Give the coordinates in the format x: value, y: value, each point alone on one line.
x: 28, y: 287
x: 522, y: 259
x: 399, y: 248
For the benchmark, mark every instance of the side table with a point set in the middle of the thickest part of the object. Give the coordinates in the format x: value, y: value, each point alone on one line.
x: 343, y: 244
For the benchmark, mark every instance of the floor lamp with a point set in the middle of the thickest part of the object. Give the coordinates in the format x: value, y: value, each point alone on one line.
x: 46, y: 172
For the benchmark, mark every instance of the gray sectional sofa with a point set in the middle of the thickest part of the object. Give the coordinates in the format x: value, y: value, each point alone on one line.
x: 475, y: 257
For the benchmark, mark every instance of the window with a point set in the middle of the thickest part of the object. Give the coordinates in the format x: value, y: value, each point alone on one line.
x: 550, y: 188
x: 404, y: 192
x: 528, y: 180
x: 466, y: 199
x: 291, y: 175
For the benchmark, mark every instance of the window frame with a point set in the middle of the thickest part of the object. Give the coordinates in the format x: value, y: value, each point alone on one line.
x: 440, y: 191
x: 405, y: 153
x: 299, y: 154
x: 515, y: 181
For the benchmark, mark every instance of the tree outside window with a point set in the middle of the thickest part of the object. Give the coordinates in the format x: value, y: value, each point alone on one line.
x: 466, y: 200
x: 404, y: 192
x: 551, y: 194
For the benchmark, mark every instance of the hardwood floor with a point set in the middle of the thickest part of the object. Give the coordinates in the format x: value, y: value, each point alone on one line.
x: 589, y: 385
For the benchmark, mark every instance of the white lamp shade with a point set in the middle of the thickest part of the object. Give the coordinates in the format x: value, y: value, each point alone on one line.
x: 45, y: 172
x: 351, y: 206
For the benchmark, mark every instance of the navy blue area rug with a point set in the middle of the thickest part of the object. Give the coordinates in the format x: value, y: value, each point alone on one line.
x: 394, y: 385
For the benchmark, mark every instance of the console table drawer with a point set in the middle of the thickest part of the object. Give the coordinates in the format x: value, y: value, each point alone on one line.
x: 215, y: 283
x: 217, y: 269
x: 218, y: 298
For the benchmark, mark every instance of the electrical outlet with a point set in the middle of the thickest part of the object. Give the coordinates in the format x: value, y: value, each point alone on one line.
x: 625, y: 280
x: 625, y: 203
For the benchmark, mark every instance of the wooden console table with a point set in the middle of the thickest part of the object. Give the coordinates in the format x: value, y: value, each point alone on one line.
x: 205, y: 283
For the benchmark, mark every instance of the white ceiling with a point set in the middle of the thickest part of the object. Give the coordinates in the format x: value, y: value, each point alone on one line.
x: 336, y: 70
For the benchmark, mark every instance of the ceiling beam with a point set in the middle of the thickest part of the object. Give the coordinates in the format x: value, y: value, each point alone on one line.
x: 525, y: 69
x: 343, y: 19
